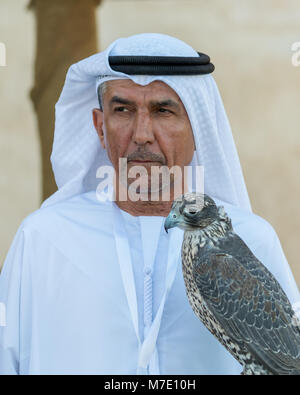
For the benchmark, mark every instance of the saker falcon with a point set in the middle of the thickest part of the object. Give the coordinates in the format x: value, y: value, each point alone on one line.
x: 232, y: 292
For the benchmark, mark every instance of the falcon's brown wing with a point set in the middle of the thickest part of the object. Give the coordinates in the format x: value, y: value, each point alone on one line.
x: 249, y: 312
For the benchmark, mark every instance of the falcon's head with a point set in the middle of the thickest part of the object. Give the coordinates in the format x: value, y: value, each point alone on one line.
x: 192, y: 211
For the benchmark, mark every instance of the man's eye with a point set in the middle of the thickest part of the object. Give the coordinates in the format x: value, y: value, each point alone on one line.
x: 164, y: 110
x: 120, y: 109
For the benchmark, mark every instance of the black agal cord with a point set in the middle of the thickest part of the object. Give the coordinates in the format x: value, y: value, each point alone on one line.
x: 162, y: 65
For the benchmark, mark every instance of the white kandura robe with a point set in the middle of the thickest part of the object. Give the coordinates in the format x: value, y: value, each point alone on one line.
x: 67, y: 309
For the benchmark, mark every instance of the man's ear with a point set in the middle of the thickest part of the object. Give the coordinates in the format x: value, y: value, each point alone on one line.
x: 98, y: 123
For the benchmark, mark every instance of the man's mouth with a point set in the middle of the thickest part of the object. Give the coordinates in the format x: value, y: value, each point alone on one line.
x: 145, y: 157
x: 142, y: 161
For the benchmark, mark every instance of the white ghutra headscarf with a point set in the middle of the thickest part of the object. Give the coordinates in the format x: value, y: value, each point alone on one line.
x: 77, y: 153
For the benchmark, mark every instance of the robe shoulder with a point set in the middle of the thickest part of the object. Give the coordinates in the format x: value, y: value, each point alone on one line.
x: 64, y: 233
x: 79, y: 212
x: 249, y: 226
x: 58, y: 266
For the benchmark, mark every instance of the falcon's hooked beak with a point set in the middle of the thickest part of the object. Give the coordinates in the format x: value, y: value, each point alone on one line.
x: 171, y: 221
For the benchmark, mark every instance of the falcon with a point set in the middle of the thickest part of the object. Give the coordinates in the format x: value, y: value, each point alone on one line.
x: 232, y: 292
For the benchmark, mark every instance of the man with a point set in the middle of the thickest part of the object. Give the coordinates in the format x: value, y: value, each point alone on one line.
x: 93, y: 285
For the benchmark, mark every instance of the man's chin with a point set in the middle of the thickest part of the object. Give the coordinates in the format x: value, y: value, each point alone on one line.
x: 161, y: 192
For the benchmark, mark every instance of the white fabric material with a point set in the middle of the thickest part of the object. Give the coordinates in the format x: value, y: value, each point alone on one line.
x: 77, y: 152
x: 67, y: 311
x: 150, y: 228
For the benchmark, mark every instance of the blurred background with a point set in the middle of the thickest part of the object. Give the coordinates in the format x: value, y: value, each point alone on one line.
x: 248, y: 41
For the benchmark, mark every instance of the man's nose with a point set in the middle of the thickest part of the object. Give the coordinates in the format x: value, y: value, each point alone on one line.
x: 143, y: 129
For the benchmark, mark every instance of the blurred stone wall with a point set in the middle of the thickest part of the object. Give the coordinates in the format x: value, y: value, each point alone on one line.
x: 250, y: 44
x: 19, y: 144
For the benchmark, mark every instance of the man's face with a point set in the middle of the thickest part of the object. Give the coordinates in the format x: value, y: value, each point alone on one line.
x: 148, y: 125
